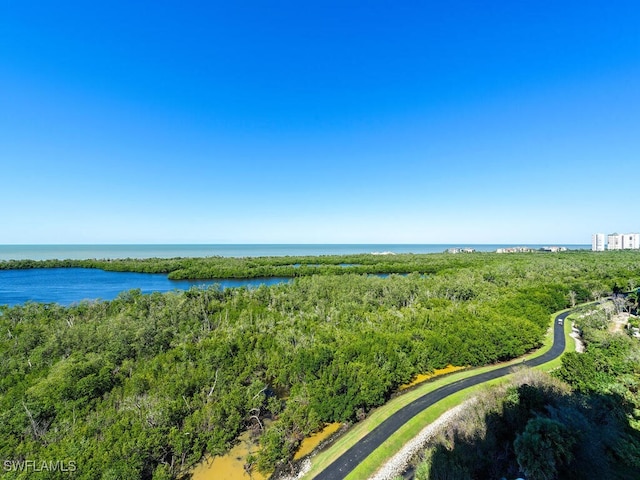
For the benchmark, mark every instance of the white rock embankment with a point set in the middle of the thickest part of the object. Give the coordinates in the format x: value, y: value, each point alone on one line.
x: 304, y: 467
x: 575, y: 334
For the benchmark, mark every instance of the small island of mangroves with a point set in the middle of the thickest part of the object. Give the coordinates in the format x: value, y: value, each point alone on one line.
x: 144, y: 386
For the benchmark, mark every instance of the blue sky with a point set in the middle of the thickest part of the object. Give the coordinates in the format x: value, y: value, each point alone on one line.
x: 318, y: 122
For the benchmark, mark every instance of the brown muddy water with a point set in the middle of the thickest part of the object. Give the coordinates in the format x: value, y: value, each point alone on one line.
x: 428, y: 376
x: 231, y: 465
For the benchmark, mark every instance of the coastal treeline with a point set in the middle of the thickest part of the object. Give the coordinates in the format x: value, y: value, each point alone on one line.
x: 290, y: 267
x: 144, y: 385
x: 255, y: 267
x: 586, y: 426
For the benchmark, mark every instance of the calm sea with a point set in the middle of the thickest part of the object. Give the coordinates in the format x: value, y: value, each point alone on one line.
x: 72, y: 285
x: 45, y: 252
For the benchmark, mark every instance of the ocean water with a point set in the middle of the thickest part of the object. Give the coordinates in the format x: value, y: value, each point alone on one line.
x: 79, y: 252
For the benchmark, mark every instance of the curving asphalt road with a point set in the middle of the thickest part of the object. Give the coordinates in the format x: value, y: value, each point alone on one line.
x: 350, y: 459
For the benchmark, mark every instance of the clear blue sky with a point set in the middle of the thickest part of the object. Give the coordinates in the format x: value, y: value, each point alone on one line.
x: 318, y: 122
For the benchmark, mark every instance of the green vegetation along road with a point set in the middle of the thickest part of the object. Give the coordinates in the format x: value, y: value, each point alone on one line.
x: 341, y: 467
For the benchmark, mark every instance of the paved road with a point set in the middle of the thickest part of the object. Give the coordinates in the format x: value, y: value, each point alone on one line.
x: 350, y: 459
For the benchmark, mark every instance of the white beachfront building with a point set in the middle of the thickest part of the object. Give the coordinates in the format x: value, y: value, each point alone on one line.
x: 623, y: 241
x: 597, y: 242
x: 631, y: 241
x: 614, y: 241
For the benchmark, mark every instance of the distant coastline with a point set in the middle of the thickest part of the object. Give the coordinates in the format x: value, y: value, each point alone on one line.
x: 80, y: 252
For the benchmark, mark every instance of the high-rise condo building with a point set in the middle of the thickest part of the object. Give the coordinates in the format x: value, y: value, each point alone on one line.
x: 597, y: 242
x: 631, y: 241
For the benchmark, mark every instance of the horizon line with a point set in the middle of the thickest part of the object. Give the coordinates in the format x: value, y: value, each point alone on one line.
x: 279, y: 244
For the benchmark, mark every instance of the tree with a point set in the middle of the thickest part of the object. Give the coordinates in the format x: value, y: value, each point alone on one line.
x: 544, y: 448
x: 572, y: 298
